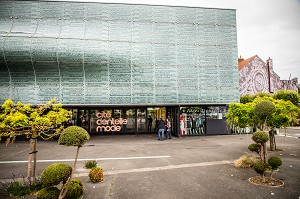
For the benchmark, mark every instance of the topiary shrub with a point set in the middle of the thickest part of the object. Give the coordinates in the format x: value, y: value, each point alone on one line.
x: 90, y: 164
x: 55, y: 174
x: 274, y: 162
x: 259, y: 168
x: 75, y: 190
x: 96, y: 174
x: 260, y: 137
x: 254, y: 148
x: 73, y: 136
x: 264, y: 108
x: 48, y: 193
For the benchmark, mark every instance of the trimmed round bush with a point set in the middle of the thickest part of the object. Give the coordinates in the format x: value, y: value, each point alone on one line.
x: 274, y: 162
x: 264, y: 108
x: 90, y: 164
x: 259, y: 168
x: 96, y: 174
x: 260, y: 137
x: 55, y: 174
x: 75, y: 189
x: 48, y: 193
x: 254, y: 148
x: 73, y: 136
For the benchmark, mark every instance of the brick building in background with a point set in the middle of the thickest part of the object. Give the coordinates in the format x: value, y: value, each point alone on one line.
x: 258, y: 76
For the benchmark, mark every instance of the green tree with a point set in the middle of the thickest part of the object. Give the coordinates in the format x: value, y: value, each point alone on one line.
x: 262, y: 111
x: 239, y: 115
x: 285, y: 115
x: 250, y: 98
x: 274, y: 162
x: 288, y: 95
x: 260, y: 138
x: 247, y: 98
x: 44, y: 121
x: 72, y: 136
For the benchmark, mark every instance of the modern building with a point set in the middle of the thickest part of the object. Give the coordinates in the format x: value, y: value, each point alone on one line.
x: 116, y: 65
x: 258, y: 76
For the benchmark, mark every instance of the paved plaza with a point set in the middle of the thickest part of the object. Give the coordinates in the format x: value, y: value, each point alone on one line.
x: 140, y: 166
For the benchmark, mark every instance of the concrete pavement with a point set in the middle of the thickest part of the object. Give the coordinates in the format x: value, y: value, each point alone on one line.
x: 140, y: 166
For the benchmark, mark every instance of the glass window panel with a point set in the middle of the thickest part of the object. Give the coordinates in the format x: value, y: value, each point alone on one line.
x: 70, y: 50
x: 6, y: 25
x: 23, y: 27
x: 130, y: 116
x: 48, y: 27
x: 192, y: 121
x: 141, y: 121
x: 26, y: 9
x: 44, y: 49
x: 6, y: 9
x: 51, y: 9
x: 72, y: 28
x: 96, y: 29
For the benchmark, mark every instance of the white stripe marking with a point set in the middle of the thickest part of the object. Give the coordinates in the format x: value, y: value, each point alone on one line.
x: 72, y: 160
x: 200, y: 164
x: 289, y: 136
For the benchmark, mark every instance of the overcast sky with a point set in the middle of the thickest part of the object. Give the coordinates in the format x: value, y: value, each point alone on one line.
x: 268, y: 28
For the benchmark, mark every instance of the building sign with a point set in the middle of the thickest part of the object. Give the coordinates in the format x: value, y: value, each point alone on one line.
x: 106, y: 123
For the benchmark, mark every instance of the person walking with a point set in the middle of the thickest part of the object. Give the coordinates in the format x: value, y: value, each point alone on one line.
x: 150, y: 120
x: 168, y: 125
x: 161, y: 129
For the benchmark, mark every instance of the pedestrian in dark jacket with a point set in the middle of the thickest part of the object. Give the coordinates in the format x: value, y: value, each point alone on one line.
x: 161, y: 129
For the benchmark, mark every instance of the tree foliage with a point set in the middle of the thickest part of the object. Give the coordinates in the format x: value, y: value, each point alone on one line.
x: 72, y: 136
x: 33, y: 121
x: 265, y: 112
x: 262, y: 111
x: 288, y: 95
x: 260, y: 137
x: 44, y: 121
x: 239, y: 114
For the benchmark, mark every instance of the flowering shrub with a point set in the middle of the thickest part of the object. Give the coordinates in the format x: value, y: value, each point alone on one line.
x: 21, y: 187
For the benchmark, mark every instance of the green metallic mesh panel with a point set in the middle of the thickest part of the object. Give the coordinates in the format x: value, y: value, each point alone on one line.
x: 101, y: 53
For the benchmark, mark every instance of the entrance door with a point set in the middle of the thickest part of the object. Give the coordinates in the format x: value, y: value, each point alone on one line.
x: 131, y: 120
x: 155, y: 114
x: 172, y: 113
x: 141, y: 121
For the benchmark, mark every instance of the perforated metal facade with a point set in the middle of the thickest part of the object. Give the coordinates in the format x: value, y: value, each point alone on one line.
x: 97, y: 53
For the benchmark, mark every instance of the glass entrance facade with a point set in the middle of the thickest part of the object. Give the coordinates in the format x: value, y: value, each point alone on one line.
x: 120, y: 66
x: 185, y: 121
x: 118, y: 120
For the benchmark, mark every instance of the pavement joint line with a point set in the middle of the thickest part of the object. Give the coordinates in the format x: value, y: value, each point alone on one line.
x: 200, y: 164
x: 72, y: 160
x: 288, y: 136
